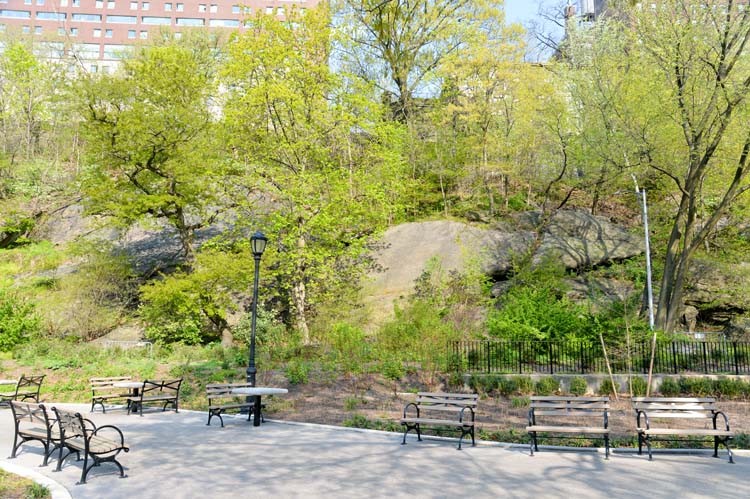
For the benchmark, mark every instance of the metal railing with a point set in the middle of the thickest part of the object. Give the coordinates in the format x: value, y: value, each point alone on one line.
x: 580, y: 357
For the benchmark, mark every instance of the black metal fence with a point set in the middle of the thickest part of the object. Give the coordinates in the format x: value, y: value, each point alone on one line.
x: 528, y: 357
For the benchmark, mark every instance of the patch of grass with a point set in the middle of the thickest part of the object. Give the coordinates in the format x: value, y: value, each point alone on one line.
x: 17, y: 487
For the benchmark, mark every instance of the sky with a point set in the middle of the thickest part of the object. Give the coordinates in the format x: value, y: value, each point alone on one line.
x: 521, y: 11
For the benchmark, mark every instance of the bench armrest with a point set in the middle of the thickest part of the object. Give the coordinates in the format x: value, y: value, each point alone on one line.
x: 110, y: 428
x: 461, y: 414
x: 638, y: 419
x: 411, y: 404
x: 726, y: 419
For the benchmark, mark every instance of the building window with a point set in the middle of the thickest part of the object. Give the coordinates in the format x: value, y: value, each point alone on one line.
x: 27, y: 2
x: 167, y: 7
x: 107, y: 33
x: 76, y: 3
x: 280, y: 11
x: 269, y: 11
x: 131, y: 34
x: 87, y: 18
x: 20, y: 14
x: 73, y: 31
x: 180, y: 7
x: 60, y: 31
x: 26, y: 30
x: 99, y: 4
x: 111, y: 4
x: 156, y: 20
x: 144, y: 35
x: 189, y: 21
x: 145, y: 6
x: 133, y: 5
x: 235, y: 9
x: 201, y: 7
x: 97, y: 33
x: 51, y: 16
x: 37, y: 30
x: 214, y: 8
x: 94, y: 68
x: 39, y: 2
x: 122, y: 19
x: 63, y: 3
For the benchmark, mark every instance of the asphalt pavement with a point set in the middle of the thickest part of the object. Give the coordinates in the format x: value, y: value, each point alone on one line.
x: 175, y: 455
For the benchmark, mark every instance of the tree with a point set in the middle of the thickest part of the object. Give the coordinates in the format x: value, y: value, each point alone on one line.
x: 399, y: 44
x: 150, y: 139
x: 681, y: 111
x: 316, y: 154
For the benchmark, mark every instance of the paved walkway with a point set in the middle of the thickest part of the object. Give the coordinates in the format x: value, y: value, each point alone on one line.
x: 178, y: 456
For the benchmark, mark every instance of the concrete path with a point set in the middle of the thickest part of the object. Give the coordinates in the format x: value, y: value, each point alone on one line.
x: 178, y: 456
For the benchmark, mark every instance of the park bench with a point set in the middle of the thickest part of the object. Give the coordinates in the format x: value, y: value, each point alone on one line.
x: 27, y: 388
x: 81, y: 436
x: 32, y: 422
x: 104, y: 389
x: 166, y: 392
x: 660, y: 409
x: 221, y: 398
x: 440, y: 410
x: 568, y: 415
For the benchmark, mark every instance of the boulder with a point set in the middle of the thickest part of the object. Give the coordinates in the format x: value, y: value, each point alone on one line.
x: 738, y: 329
x: 717, y: 290
x: 578, y: 239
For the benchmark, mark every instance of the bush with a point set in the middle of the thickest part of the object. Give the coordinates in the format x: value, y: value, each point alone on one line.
x: 392, y: 369
x: 524, y: 385
x: 607, y: 387
x: 547, y: 386
x: 669, y: 387
x: 638, y: 386
x: 297, y: 371
x: 578, y: 386
x: 18, y: 321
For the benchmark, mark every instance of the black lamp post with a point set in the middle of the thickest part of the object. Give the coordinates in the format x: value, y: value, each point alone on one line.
x: 258, y: 246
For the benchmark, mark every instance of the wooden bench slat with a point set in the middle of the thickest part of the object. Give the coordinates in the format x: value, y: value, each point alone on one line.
x: 437, y: 421
x: 553, y: 398
x: 685, y: 431
x: 574, y: 413
x: 568, y: 429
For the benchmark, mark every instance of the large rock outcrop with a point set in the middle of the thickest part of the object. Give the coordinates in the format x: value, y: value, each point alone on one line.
x: 578, y: 239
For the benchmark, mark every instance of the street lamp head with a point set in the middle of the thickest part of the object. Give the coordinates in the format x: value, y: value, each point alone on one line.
x: 258, y: 244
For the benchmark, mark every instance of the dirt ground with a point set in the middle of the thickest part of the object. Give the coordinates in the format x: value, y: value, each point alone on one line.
x: 337, y: 401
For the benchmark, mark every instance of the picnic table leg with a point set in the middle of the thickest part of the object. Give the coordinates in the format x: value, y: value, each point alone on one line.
x: 256, y: 411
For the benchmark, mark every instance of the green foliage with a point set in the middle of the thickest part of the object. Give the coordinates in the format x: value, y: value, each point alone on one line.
x: 393, y: 369
x: 520, y: 402
x: 578, y: 386
x: 297, y: 371
x: 535, y: 308
x: 18, y: 320
x: 607, y: 387
x: 637, y: 386
x: 547, y: 386
x: 669, y: 387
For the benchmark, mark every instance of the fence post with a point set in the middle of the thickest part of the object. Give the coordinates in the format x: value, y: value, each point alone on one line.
x: 736, y: 360
x: 580, y: 356
x: 705, y: 359
x: 549, y: 354
x: 487, y: 350
x: 674, y: 358
x: 519, y: 350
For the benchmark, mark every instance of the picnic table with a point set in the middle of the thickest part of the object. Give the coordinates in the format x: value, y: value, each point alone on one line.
x: 257, y: 392
x: 133, y: 386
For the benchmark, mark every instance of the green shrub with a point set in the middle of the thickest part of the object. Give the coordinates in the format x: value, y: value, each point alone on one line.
x: 524, y: 385
x: 607, y: 387
x: 728, y: 388
x: 578, y: 386
x: 351, y: 403
x: 638, y: 386
x: 519, y: 402
x: 547, y: 386
x: 18, y: 321
x: 297, y: 371
x: 669, y: 387
x: 507, y: 386
x: 392, y: 369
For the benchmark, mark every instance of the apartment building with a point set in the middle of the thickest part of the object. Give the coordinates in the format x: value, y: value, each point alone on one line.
x: 99, y: 32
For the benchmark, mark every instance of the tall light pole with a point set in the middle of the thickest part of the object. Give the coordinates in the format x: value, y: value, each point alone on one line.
x: 258, y: 246
x: 649, y: 288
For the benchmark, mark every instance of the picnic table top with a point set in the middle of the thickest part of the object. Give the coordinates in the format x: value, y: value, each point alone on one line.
x: 259, y: 390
